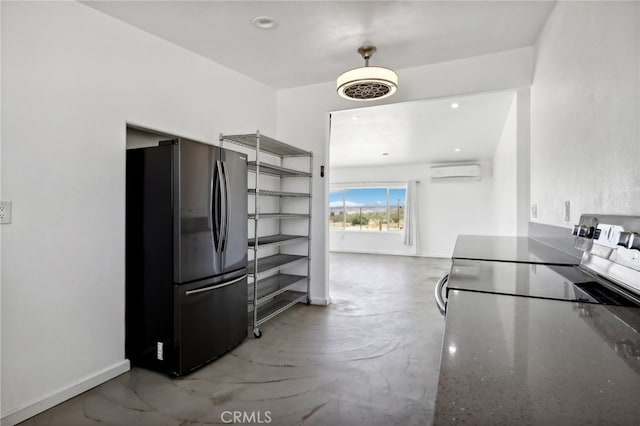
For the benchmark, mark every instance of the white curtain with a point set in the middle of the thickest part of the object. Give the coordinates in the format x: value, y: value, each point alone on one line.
x: 411, y: 230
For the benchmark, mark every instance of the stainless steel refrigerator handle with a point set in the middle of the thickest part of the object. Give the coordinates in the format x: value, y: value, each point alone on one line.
x: 223, y: 204
x: 213, y: 287
x: 218, y: 217
x: 214, y: 217
x: 212, y: 187
x: 225, y: 207
x: 440, y: 302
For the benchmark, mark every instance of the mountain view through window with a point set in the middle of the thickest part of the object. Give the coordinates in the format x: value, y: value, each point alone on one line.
x: 367, y: 209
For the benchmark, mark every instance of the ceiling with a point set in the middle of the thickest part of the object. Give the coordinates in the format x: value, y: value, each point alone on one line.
x: 316, y: 41
x: 427, y: 131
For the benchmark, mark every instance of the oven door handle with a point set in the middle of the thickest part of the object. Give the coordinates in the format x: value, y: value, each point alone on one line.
x: 441, y: 302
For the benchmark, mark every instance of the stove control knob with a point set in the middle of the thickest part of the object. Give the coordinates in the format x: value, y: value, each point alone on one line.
x: 623, y: 239
x: 583, y: 231
x: 630, y: 240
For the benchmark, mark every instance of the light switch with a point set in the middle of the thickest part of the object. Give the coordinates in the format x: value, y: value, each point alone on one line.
x: 534, y: 210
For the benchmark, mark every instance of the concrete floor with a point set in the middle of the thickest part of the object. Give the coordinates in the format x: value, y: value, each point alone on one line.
x: 370, y: 358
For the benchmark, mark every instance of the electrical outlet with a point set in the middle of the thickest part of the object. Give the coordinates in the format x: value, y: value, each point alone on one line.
x: 160, y: 351
x: 5, y: 211
x: 567, y: 211
x: 534, y: 210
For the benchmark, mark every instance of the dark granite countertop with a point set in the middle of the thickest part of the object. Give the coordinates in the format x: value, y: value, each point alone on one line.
x: 522, y: 360
x: 509, y: 249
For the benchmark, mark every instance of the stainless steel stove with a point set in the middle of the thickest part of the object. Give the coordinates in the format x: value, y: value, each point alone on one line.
x: 611, y: 246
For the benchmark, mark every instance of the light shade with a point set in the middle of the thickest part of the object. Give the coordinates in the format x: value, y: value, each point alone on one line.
x: 367, y: 83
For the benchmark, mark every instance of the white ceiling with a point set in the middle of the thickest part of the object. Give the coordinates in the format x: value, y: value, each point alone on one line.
x: 426, y: 131
x: 317, y: 41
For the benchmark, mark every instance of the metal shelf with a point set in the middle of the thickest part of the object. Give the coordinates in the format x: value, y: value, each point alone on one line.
x: 265, y: 193
x: 276, y: 240
x: 273, y: 292
x: 280, y: 215
x: 267, y: 144
x: 278, y: 305
x: 274, y: 263
x: 270, y: 169
x: 274, y: 285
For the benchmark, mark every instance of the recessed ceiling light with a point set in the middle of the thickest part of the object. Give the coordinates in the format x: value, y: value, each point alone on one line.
x: 384, y: 154
x: 264, y: 22
x: 455, y: 105
x: 457, y: 149
x: 355, y: 117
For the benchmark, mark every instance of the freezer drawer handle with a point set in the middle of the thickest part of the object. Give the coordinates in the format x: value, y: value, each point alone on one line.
x: 442, y: 304
x: 213, y: 287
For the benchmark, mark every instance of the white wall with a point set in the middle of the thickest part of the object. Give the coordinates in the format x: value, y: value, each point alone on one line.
x: 446, y: 209
x: 303, y: 119
x: 1, y: 227
x: 585, y: 135
x: 71, y: 78
x: 523, y: 160
x: 505, y: 176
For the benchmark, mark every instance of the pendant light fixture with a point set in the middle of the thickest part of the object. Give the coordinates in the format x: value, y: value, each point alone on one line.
x: 367, y: 83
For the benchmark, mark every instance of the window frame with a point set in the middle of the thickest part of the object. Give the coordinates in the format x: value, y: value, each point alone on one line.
x: 387, y: 186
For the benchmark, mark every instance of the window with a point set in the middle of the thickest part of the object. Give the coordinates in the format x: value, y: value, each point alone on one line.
x: 367, y: 209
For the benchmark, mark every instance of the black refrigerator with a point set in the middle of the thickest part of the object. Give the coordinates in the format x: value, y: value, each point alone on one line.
x: 186, y: 254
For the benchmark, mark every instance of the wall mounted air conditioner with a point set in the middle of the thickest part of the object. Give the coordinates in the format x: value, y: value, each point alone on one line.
x: 456, y: 172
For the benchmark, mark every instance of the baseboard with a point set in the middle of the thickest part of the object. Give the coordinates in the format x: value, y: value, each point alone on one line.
x: 20, y: 414
x: 322, y: 301
x: 384, y: 252
x: 437, y: 255
x: 389, y: 253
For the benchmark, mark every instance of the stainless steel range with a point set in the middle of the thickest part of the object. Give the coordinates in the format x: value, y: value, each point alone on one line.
x: 611, y: 246
x: 543, y: 341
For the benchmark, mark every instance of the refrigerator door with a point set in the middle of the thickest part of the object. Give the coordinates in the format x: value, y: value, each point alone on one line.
x: 234, y: 206
x: 212, y: 319
x: 198, y: 255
